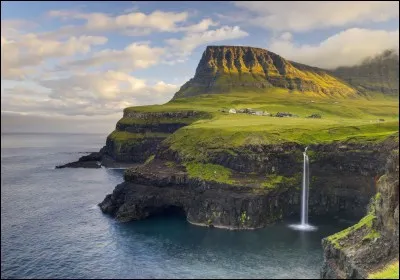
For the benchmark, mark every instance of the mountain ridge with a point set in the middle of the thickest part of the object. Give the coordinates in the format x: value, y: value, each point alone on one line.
x: 379, y: 73
x: 230, y: 68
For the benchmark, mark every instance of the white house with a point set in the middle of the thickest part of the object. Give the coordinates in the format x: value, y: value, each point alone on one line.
x: 232, y: 111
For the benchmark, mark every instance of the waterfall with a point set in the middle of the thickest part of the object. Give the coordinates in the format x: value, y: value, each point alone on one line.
x: 304, y: 197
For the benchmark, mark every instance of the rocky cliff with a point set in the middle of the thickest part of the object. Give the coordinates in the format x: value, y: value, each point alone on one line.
x: 234, y: 68
x: 375, y: 74
x: 248, y: 198
x: 369, y: 249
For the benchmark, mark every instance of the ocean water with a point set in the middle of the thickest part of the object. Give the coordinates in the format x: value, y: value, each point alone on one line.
x: 51, y: 226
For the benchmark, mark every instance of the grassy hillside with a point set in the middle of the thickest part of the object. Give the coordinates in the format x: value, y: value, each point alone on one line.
x: 352, y: 119
x: 379, y: 74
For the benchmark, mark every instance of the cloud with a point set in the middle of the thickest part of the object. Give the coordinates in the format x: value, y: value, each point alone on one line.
x: 190, y: 41
x: 88, y: 94
x: 13, y: 27
x: 202, y: 26
x: 130, y: 22
x: 134, y: 56
x: 21, y: 56
x: 300, y: 16
x: 346, y: 48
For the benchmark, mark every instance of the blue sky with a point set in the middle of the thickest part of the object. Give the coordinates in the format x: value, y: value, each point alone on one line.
x: 86, y: 61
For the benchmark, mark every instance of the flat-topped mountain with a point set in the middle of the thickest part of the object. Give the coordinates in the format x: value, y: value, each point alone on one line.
x: 225, y: 69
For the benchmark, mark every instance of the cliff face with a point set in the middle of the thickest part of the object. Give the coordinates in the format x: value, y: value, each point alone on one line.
x: 369, y: 249
x: 337, y: 185
x: 137, y: 135
x: 233, y: 68
x: 378, y: 74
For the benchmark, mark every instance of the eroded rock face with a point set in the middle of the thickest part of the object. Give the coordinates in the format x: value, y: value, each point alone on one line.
x: 202, y: 204
x: 367, y: 248
x: 134, y: 152
x: 225, y: 68
x: 151, y: 188
x: 387, y: 204
x: 339, y: 184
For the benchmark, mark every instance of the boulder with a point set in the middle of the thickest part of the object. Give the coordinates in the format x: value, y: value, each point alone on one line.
x: 283, y: 114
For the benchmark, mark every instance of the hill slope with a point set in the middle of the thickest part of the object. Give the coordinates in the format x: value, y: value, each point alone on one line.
x: 225, y: 69
x: 377, y: 74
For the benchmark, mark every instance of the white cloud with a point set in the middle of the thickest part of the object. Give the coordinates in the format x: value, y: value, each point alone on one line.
x: 19, y: 55
x: 89, y: 94
x: 134, y: 56
x: 191, y: 41
x: 309, y: 15
x: 286, y: 36
x: 100, y: 22
x: 346, y: 48
x: 202, y: 26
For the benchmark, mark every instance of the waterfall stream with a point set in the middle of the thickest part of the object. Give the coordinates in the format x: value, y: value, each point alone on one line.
x: 304, y: 196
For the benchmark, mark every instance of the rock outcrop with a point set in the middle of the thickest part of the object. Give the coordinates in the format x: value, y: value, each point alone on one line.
x: 89, y: 161
x: 373, y: 244
x: 233, y: 68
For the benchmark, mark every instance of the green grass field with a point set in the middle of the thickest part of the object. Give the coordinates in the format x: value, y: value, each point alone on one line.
x: 343, y: 119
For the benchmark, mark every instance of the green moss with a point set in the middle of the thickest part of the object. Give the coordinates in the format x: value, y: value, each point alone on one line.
x: 243, y: 218
x: 170, y: 164
x: 391, y: 271
x: 372, y: 235
x: 149, y: 159
x: 274, y: 181
x: 367, y: 221
x: 209, y: 172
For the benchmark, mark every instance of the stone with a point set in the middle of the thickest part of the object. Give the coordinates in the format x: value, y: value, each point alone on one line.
x: 283, y: 114
x: 314, y: 116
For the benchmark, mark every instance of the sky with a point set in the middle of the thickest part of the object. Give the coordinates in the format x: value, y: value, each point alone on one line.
x: 74, y: 66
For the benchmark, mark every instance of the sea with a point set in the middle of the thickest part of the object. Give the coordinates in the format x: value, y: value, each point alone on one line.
x: 51, y: 226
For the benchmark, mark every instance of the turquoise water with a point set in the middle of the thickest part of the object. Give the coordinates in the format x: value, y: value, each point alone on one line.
x: 51, y: 226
